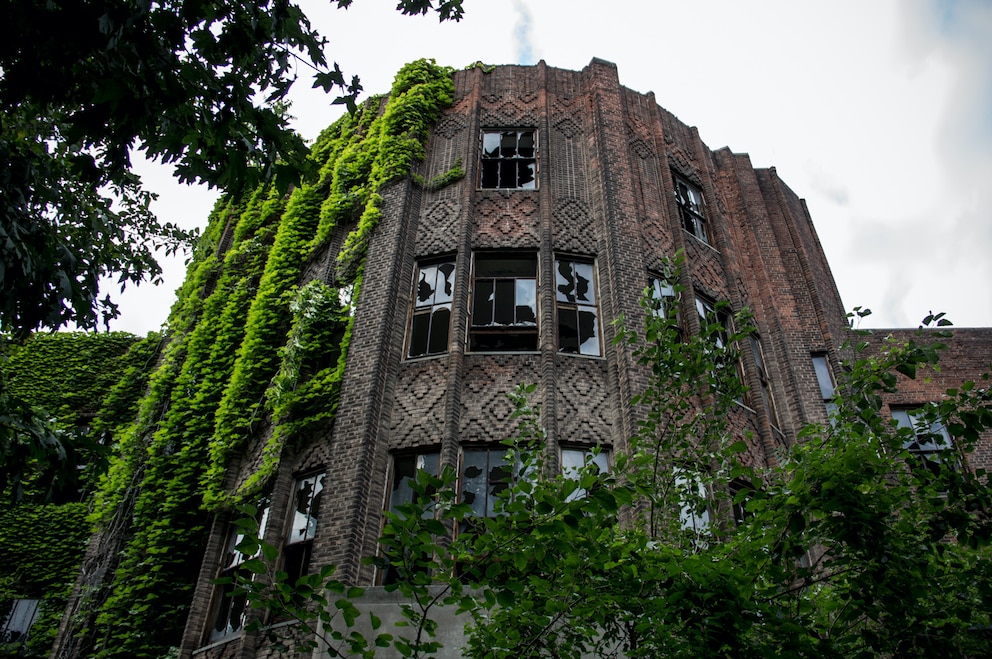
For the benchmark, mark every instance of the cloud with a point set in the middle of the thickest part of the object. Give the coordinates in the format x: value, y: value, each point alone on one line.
x: 522, y: 34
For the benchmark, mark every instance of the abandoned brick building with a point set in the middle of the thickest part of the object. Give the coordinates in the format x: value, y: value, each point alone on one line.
x: 575, y: 190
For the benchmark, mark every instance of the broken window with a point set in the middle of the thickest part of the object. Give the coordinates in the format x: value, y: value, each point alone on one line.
x: 930, y: 443
x: 690, y: 203
x: 509, y: 159
x: 694, y: 511
x: 401, y: 492
x: 435, y: 284
x: 306, y: 510
x: 578, y: 321
x: 17, y: 624
x: 485, y: 473
x: 232, y: 607
x: 825, y: 379
x: 665, y: 301
x: 573, y: 459
x: 766, y: 390
x: 504, y: 306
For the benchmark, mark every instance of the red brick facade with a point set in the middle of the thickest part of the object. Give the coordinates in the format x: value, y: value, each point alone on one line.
x: 607, y: 163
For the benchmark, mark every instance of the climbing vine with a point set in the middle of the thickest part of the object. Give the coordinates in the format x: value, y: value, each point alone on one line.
x: 252, y: 353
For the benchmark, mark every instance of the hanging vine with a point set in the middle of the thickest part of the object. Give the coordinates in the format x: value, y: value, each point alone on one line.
x: 250, y: 349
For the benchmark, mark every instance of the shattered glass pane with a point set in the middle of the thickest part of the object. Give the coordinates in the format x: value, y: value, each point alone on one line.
x: 445, y: 283
x: 490, y: 145
x: 474, y: 481
x: 584, y: 291
x: 565, y: 281
x: 307, y: 509
x: 419, y: 331
x: 425, y: 286
x: 528, y: 176
x: 526, y: 302
x: 588, y: 335
x: 405, y: 468
x: 568, y: 330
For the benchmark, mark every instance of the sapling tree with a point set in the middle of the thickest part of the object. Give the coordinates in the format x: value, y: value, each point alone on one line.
x: 852, y: 542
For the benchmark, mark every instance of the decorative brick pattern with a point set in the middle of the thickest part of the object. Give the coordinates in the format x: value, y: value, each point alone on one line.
x: 575, y: 229
x: 583, y: 401
x: 486, y: 409
x: 437, y: 233
x: 506, y: 219
x: 418, y: 409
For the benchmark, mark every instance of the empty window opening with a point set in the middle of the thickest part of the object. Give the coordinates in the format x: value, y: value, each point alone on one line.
x: 504, y: 307
x: 509, y: 159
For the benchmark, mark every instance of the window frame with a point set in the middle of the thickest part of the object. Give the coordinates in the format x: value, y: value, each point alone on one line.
x: 519, y: 335
x: 430, y: 309
x: 930, y: 454
x: 297, y: 551
x: 826, y: 382
x: 570, y: 471
x: 692, y: 219
x: 767, y: 395
x: 388, y: 573
x: 565, y: 307
x: 232, y: 562
x: 502, y: 163
x: 666, y: 301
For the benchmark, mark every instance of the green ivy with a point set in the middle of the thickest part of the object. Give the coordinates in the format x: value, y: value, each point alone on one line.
x: 251, y: 353
x: 41, y: 546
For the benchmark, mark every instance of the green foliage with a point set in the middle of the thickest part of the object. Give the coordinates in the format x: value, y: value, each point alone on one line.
x: 42, y: 546
x: 845, y: 549
x: 252, y: 355
x: 444, y: 179
x: 51, y: 387
x: 199, y: 85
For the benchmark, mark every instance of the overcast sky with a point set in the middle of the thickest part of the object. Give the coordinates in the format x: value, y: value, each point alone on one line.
x: 878, y: 113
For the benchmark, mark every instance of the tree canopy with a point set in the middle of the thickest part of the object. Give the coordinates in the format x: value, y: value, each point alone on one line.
x: 196, y: 84
x: 851, y: 545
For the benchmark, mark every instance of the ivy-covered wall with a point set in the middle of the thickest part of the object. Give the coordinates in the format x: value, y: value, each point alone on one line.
x: 89, y: 384
x: 256, y: 356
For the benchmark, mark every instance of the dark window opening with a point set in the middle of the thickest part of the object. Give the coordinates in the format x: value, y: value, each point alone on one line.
x: 431, y: 323
x: 690, y: 203
x: 504, y: 307
x: 578, y: 316
x: 509, y: 159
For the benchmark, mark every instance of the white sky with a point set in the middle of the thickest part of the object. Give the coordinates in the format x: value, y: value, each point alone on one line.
x: 878, y: 113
